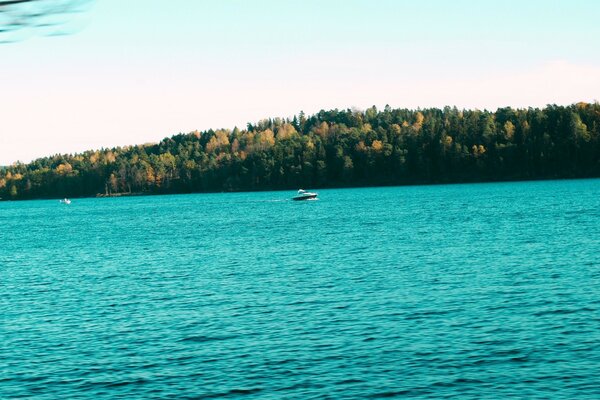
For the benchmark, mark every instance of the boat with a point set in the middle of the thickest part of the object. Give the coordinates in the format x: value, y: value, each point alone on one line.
x: 65, y: 201
x: 304, y: 195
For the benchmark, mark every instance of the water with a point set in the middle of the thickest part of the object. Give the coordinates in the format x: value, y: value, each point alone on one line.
x: 475, y: 291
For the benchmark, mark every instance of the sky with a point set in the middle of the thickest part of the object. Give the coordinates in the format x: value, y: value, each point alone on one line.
x: 137, y: 71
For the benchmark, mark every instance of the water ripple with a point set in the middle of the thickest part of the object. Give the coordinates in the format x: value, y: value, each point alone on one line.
x: 459, y: 291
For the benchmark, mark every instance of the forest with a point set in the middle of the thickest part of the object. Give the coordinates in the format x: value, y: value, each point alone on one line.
x: 336, y: 148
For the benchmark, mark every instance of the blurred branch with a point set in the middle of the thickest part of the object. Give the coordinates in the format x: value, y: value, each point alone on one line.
x: 22, y: 18
x: 8, y: 3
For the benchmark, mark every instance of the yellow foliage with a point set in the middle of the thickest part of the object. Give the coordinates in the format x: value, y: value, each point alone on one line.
x: 110, y: 157
x: 211, y: 145
x: 509, y: 130
x: 419, y: 120
x: 190, y: 164
x: 150, y: 177
x: 265, y: 138
x: 448, y: 141
x: 222, y: 137
x: 64, y: 168
x: 235, y: 146
x: 2, y: 183
x: 218, y: 140
x: 322, y: 130
x: 478, y: 149
x: 377, y: 145
x: 286, y: 131
x: 361, y: 146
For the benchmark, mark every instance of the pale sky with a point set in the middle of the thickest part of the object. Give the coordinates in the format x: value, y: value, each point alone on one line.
x: 142, y: 70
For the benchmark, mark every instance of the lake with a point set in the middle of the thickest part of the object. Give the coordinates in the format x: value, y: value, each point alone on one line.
x: 474, y: 291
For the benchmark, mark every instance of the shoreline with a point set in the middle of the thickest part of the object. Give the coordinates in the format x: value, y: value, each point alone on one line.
x: 143, y: 194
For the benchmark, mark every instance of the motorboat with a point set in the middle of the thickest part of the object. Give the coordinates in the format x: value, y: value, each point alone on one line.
x: 304, y: 195
x: 65, y: 201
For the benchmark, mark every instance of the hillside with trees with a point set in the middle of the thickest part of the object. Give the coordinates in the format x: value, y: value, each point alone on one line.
x: 336, y: 148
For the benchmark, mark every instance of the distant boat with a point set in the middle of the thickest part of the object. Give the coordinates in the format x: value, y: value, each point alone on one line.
x: 304, y: 195
x: 65, y: 201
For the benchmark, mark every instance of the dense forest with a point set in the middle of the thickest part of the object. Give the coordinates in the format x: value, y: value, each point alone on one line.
x: 332, y: 149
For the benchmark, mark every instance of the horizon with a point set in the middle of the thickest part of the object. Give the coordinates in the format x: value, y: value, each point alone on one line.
x: 203, y: 65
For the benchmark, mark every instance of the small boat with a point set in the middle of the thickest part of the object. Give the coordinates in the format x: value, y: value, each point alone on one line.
x: 65, y: 201
x: 304, y: 195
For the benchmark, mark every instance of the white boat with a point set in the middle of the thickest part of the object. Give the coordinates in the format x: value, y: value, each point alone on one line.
x: 65, y: 201
x: 304, y: 195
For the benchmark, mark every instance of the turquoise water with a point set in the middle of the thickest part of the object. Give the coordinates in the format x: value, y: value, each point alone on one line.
x: 474, y: 291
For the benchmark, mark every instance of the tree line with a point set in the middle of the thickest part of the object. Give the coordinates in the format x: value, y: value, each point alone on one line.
x: 335, y: 148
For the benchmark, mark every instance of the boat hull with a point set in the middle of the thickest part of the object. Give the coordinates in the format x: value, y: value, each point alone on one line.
x: 305, y: 197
